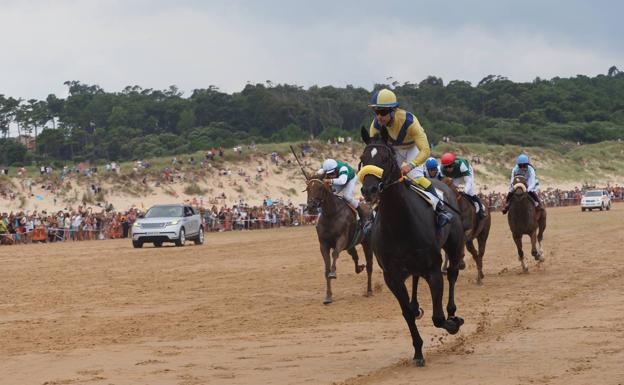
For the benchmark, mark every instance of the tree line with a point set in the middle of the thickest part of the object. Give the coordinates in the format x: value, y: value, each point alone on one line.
x: 92, y: 124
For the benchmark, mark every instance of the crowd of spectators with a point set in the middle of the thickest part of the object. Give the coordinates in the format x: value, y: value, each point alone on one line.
x: 84, y: 224
x: 65, y: 225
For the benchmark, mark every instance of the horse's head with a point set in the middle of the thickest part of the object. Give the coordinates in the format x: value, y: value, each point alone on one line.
x: 317, y: 191
x: 379, y: 168
x: 519, y: 185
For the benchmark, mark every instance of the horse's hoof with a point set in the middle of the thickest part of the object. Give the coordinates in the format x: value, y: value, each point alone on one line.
x: 458, y: 320
x: 462, y: 265
x: 418, y: 362
x: 479, y: 281
x: 359, y: 269
x: 421, y: 313
x: 332, y: 275
x: 453, y: 324
x: 369, y: 293
x: 327, y: 301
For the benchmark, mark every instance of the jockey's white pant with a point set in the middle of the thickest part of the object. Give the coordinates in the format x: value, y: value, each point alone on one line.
x: 346, y: 191
x: 468, y: 183
x: 407, y: 155
x: 468, y: 186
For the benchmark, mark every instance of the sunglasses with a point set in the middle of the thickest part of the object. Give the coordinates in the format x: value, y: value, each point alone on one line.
x: 383, y: 112
x: 523, y: 165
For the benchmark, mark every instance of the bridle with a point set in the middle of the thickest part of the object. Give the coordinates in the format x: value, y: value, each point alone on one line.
x: 378, y: 171
x: 316, y: 201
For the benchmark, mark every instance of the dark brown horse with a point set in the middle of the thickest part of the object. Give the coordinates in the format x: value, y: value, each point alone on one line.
x: 474, y: 228
x: 337, y: 230
x: 407, y: 242
x: 524, y: 218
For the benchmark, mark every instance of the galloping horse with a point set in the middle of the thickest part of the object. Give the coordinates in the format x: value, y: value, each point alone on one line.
x: 525, y: 218
x: 337, y: 230
x: 406, y: 241
x: 473, y: 228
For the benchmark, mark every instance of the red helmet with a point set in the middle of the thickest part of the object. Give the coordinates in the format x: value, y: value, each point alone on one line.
x: 447, y: 159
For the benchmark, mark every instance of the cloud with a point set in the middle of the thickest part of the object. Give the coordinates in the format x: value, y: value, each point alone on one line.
x: 198, y: 44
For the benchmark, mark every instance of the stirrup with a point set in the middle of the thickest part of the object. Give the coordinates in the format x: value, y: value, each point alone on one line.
x: 443, y: 216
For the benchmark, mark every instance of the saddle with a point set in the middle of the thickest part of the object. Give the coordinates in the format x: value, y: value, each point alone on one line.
x: 359, y: 231
x: 423, y: 194
x: 348, y: 205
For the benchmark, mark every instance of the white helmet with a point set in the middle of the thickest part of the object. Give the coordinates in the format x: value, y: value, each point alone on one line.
x: 329, y: 165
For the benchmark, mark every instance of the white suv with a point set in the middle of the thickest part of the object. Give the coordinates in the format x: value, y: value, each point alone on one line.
x: 595, y: 199
x: 168, y: 223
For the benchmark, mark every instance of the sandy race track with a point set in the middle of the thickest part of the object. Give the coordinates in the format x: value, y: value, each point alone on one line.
x: 245, y: 308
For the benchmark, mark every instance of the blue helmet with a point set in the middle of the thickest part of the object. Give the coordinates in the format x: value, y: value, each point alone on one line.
x: 522, y: 159
x: 431, y: 163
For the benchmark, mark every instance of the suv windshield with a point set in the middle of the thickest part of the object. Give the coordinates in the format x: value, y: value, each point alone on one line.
x: 165, y: 212
x: 593, y: 193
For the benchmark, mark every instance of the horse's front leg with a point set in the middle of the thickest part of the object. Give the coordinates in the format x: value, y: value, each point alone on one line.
x: 436, y: 285
x: 537, y: 254
x: 341, y: 244
x: 518, y: 240
x: 397, y: 286
x: 414, y: 305
x: 368, y: 254
x: 354, y: 255
x: 451, y: 276
x: 326, y: 259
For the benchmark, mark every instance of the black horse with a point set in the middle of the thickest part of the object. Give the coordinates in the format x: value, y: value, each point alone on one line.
x: 337, y: 230
x: 525, y: 218
x: 406, y: 241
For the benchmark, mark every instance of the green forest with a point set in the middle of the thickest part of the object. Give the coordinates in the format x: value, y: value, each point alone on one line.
x: 94, y: 124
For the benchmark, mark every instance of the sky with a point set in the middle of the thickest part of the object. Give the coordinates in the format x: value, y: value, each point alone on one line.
x: 197, y: 44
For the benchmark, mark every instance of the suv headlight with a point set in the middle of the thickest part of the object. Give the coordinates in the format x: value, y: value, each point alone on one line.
x: 136, y: 224
x: 173, y: 222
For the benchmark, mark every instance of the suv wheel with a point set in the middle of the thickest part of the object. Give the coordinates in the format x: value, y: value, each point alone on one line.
x: 158, y: 244
x: 137, y: 244
x: 602, y: 207
x: 181, y: 239
x: 199, y: 240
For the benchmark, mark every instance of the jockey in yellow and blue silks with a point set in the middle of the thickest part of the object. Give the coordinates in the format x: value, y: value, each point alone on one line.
x: 409, y: 141
x: 341, y: 179
x: 460, y: 171
x: 432, y: 169
x: 523, y: 167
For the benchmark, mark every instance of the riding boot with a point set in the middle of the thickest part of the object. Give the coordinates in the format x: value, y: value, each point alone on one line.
x: 507, y: 202
x: 535, y: 197
x: 443, y: 216
x: 481, y: 213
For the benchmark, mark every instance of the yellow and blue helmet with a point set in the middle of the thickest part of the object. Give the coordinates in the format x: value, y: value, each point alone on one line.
x: 384, y: 98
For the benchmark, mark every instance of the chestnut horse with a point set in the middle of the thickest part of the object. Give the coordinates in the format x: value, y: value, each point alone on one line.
x: 474, y: 228
x: 524, y: 218
x: 337, y: 230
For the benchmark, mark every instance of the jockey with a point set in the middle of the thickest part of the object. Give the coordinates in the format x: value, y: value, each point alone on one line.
x: 460, y: 171
x: 432, y: 169
x: 523, y: 168
x: 341, y: 179
x: 409, y: 141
